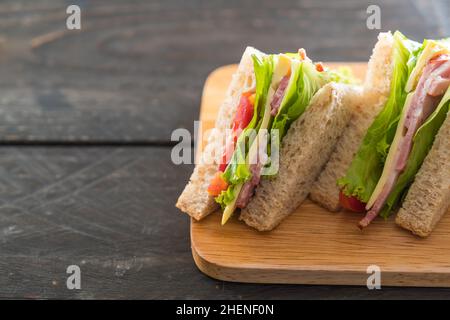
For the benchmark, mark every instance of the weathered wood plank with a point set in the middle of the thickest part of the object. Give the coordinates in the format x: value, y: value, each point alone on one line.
x: 111, y: 212
x: 135, y: 71
x: 171, y: 278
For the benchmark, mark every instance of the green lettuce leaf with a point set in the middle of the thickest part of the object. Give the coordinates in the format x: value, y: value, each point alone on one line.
x: 226, y: 197
x: 367, y: 166
x: 263, y: 74
x: 343, y: 75
x: 307, y: 81
x: 422, y: 143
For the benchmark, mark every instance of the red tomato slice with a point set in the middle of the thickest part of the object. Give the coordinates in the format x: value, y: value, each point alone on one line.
x: 244, y: 115
x: 217, y: 185
x: 351, y: 203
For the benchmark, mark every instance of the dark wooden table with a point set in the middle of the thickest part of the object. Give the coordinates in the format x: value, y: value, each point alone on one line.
x: 85, y: 124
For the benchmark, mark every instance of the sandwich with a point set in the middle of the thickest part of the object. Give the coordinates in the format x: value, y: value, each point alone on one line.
x: 375, y: 91
x: 274, y: 132
x: 402, y: 160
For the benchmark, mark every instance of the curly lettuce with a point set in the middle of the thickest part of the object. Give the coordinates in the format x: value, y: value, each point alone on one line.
x: 367, y: 166
x: 305, y: 83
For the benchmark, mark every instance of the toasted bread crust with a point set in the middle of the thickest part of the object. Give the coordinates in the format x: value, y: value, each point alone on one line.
x: 428, y: 199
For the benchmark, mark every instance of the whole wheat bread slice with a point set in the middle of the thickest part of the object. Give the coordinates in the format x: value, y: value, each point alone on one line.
x: 375, y: 93
x: 428, y: 199
x: 195, y: 199
x: 303, y: 153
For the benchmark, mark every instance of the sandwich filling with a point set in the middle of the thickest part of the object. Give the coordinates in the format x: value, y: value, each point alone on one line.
x: 285, y: 84
x: 403, y: 145
x: 430, y: 90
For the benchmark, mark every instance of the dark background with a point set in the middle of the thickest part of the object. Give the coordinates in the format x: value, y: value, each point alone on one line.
x: 85, y: 124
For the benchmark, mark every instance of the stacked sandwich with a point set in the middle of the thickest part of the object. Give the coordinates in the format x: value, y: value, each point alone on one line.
x: 348, y: 146
x: 395, y: 154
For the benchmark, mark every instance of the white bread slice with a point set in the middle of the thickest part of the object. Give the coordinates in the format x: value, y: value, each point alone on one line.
x: 303, y: 153
x: 380, y: 65
x: 428, y: 199
x: 195, y: 200
x: 365, y: 108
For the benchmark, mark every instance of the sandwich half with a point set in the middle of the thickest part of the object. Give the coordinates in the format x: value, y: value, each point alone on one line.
x: 401, y: 137
x: 195, y: 200
x: 376, y: 88
x: 272, y: 103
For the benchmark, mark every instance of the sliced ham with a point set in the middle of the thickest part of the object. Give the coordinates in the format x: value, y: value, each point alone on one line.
x: 256, y: 166
x: 278, y: 96
x: 248, y: 187
x: 432, y: 85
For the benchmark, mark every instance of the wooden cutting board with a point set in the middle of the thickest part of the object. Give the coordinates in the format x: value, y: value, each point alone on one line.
x: 313, y: 245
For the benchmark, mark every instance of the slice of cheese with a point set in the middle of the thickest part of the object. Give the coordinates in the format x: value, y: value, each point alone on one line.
x: 229, y: 209
x: 431, y: 50
x: 389, y: 165
x: 282, y: 68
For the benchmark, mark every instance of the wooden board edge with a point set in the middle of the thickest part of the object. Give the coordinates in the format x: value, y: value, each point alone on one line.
x: 315, y: 277
x: 311, y: 276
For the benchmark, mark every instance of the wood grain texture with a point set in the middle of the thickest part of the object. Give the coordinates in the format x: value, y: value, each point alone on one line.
x: 313, y: 245
x: 111, y: 211
x: 103, y: 209
x: 135, y: 70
